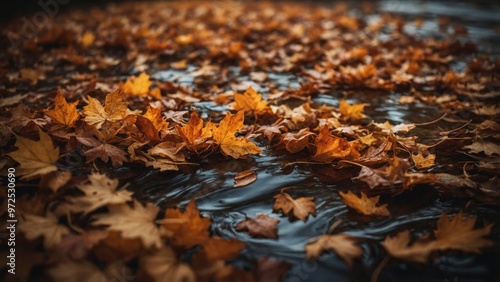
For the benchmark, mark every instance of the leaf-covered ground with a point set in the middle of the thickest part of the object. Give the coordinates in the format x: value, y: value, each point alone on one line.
x: 91, y: 103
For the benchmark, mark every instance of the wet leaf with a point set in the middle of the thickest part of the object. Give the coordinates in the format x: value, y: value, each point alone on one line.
x: 162, y: 265
x: 484, y: 147
x: 138, y: 86
x: 114, y: 110
x: 216, y: 248
x: 364, y: 205
x: 343, y: 245
x: 63, y: 112
x: 262, y: 226
x: 244, y: 178
x: 231, y: 145
x: 353, y: 112
x: 329, y: 147
x: 300, y: 208
x: 250, y: 101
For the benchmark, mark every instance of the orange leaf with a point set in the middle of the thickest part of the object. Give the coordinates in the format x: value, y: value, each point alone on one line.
x: 231, y: 145
x: 343, y: 245
x: 190, y: 229
x: 154, y: 115
x: 353, y: 112
x: 301, y: 207
x: 330, y: 147
x: 364, y: 205
x: 63, y: 112
x: 216, y: 248
x: 114, y: 110
x: 249, y: 101
x: 244, y: 178
x: 137, y: 86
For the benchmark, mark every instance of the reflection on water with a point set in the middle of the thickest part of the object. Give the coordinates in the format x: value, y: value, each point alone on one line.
x: 212, y: 182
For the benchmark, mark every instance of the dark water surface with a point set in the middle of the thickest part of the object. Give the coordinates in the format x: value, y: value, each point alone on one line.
x: 212, y: 182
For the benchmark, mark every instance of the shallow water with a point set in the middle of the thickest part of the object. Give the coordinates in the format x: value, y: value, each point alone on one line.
x: 212, y: 182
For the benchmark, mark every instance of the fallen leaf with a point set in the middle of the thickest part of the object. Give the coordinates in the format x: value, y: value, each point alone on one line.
x: 329, y: 147
x: 231, y: 145
x: 114, y: 110
x: 99, y: 192
x: 137, y: 86
x: 34, y: 226
x: 35, y: 157
x: 422, y: 162
x: 388, y: 128
x: 189, y: 228
x: 483, y: 146
x: 351, y: 112
x: 87, y: 39
x: 136, y: 222
x: 399, y: 247
x: 216, y: 248
x: 154, y: 115
x: 244, y: 178
x: 55, y: 180
x: 364, y: 205
x: 107, y: 152
x: 262, y: 226
x: 342, y: 244
x: 162, y: 266
x: 77, y: 271
x: 296, y: 141
x: 301, y: 207
x: 195, y: 134
x: 250, y: 101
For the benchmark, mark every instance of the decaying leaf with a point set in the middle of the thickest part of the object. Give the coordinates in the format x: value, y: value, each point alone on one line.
x: 231, y: 145
x: 133, y: 222
x: 364, y: 205
x: 114, y: 110
x: 36, y: 158
x: 342, y: 244
x: 34, y: 226
x: 300, y: 207
x: 262, y: 226
x: 63, y: 112
x: 244, y: 178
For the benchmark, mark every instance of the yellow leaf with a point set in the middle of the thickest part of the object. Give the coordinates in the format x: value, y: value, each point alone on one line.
x: 231, y: 145
x: 63, y: 112
x: 35, y: 157
x: 114, y: 110
x: 154, y: 115
x: 87, y: 39
x: 353, y: 112
x: 137, y: 86
x: 301, y: 207
x: 423, y: 162
x: 364, y: 205
x: 249, y: 101
x: 343, y: 245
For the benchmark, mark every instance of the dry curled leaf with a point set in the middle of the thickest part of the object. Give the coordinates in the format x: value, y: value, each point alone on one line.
x: 244, y: 178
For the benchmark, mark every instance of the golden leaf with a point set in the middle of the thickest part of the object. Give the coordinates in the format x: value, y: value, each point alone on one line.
x: 249, y: 101
x: 63, y: 112
x: 137, y: 86
x: 330, y: 147
x: 353, y: 112
x: 114, y: 110
x: 231, y: 145
x: 364, y: 205
x: 301, y: 207
x: 343, y: 245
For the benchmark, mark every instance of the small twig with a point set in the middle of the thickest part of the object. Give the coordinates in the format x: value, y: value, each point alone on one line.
x: 378, y: 270
x: 430, y: 122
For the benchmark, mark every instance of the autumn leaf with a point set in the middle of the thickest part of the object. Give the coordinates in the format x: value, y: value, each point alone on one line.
x: 136, y: 222
x: 114, y: 110
x: 364, y: 205
x: 301, y: 207
x: 35, y: 157
x: 459, y: 233
x: 342, y: 244
x: 231, y: 145
x: 351, y: 112
x: 195, y: 134
x: 262, y: 226
x: 77, y: 271
x: 87, y: 39
x: 34, y: 226
x: 422, y: 162
x: 189, y: 228
x: 388, y: 128
x: 216, y: 248
x: 154, y: 115
x: 137, y: 86
x: 250, y: 101
x: 63, y: 112
x: 329, y: 147
x: 296, y: 141
x: 99, y: 192
x: 244, y: 178
x: 162, y: 265
x: 483, y: 146
x: 399, y: 247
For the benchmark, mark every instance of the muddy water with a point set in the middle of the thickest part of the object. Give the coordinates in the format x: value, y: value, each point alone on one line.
x: 212, y: 182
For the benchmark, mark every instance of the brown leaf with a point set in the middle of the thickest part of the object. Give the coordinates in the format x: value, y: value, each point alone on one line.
x: 364, y: 205
x: 216, y: 248
x: 114, y: 110
x: 301, y: 207
x: 244, y: 178
x: 34, y: 226
x: 483, y: 146
x: 296, y: 142
x: 63, y: 112
x: 162, y: 265
x: 262, y: 226
x: 342, y: 244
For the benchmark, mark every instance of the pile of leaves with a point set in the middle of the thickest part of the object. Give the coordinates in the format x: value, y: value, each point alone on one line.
x: 68, y: 94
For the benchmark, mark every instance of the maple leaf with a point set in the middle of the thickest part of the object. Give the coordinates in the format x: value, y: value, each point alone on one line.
x: 301, y: 207
x: 189, y: 228
x: 194, y: 134
x: 422, y: 162
x: 353, y: 112
x: 364, y: 205
x: 63, y: 112
x: 136, y: 222
x: 342, y: 244
x: 137, y: 86
x: 163, y: 265
x: 244, y: 178
x: 388, y: 128
x: 270, y: 131
x: 99, y: 192
x: 34, y: 226
x: 249, y: 101
x: 459, y: 233
x: 216, y: 248
x: 330, y: 147
x: 373, y: 177
x: 35, y: 157
x: 106, y: 152
x: 154, y: 115
x: 231, y: 145
x: 114, y: 110
x: 296, y: 142
x: 399, y: 247
x: 482, y: 146
x: 262, y: 226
